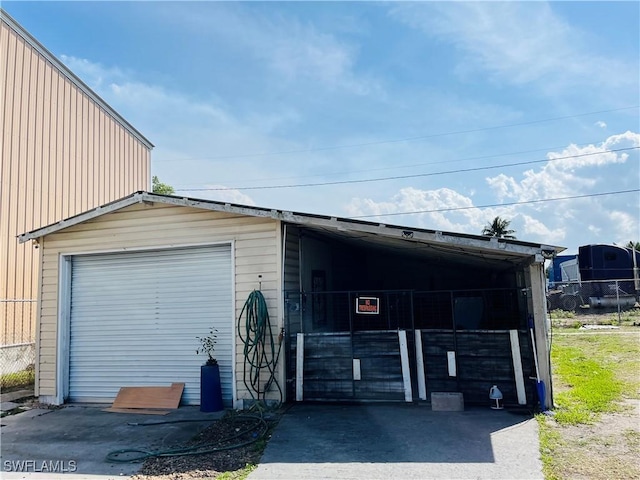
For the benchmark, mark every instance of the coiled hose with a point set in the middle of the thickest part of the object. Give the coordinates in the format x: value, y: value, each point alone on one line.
x: 258, y: 427
x: 260, y: 354
x: 260, y: 351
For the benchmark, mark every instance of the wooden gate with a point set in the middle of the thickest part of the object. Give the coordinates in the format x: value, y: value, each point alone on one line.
x: 415, y: 343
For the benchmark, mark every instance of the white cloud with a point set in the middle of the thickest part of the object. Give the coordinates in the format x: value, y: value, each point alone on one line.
x: 626, y: 227
x: 231, y: 196
x: 600, y: 124
x: 291, y: 50
x: 517, y: 42
x: 411, y: 199
x: 593, y: 229
x: 188, y: 127
x: 93, y: 74
x: 306, y: 53
x: 569, y: 172
x: 579, y: 221
x: 534, y: 228
x: 185, y: 127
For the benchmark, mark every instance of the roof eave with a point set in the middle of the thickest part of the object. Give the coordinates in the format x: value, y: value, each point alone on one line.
x: 513, y: 247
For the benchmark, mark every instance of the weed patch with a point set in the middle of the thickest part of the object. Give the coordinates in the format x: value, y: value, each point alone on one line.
x: 592, y: 433
x: 17, y: 380
x: 593, y: 386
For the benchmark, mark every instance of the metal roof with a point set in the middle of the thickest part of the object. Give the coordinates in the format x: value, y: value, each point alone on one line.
x: 411, y: 240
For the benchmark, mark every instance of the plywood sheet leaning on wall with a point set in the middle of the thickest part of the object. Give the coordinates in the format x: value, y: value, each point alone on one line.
x: 147, y: 400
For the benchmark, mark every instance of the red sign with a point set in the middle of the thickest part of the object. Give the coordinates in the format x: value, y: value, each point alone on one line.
x: 368, y: 305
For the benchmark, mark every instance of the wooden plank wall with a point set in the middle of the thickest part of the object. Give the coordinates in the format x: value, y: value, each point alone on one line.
x: 483, y: 359
x: 328, y: 366
x: 380, y: 365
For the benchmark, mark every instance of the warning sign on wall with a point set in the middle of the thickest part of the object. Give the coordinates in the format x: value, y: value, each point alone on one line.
x: 368, y: 305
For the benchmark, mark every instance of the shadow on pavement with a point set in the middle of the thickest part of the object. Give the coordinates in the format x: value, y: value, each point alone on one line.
x: 400, y: 441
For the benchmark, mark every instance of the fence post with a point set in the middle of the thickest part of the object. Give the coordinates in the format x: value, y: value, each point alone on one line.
x: 618, y: 303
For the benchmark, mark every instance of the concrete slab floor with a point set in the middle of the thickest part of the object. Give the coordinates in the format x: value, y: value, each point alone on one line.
x: 74, y: 440
x: 356, y: 442
x: 368, y: 442
x: 16, y: 395
x: 8, y: 406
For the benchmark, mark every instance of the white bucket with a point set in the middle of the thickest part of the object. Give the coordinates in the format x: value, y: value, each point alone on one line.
x: 495, y: 396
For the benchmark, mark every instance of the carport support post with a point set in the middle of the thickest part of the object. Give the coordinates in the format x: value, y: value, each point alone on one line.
x: 299, y: 366
x: 537, y: 303
x: 404, y: 361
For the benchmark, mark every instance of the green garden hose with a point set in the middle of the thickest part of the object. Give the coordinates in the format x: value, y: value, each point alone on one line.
x: 135, y: 455
x: 261, y: 353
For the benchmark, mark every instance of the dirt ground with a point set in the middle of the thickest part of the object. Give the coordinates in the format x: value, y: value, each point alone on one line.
x: 610, y: 447
x: 234, y: 443
x: 588, y: 316
x: 607, y: 449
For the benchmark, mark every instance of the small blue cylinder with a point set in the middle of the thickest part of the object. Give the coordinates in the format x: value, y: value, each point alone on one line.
x: 210, y: 389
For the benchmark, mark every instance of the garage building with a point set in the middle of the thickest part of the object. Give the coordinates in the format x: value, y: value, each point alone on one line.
x: 363, y: 311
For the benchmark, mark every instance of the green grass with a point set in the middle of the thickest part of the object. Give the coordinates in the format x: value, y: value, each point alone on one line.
x: 237, y: 474
x: 627, y: 317
x: 550, y: 442
x: 18, y: 379
x: 558, y: 313
x: 618, y: 354
x: 594, y: 387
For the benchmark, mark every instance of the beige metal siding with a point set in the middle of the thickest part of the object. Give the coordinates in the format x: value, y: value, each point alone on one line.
x: 256, y: 252
x: 63, y: 152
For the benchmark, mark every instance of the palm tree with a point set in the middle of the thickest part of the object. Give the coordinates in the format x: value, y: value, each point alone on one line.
x: 635, y: 246
x: 499, y: 227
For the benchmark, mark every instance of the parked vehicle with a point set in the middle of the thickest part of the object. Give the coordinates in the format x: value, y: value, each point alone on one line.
x: 599, y: 276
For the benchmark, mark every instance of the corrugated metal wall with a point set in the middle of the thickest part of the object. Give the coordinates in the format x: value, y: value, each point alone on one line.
x: 63, y: 151
x: 293, y: 301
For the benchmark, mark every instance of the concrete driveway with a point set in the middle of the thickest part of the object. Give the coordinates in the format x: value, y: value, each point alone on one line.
x: 372, y: 441
x: 400, y: 441
x: 72, y: 442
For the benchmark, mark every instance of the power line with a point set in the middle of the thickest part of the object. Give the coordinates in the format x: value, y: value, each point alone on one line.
x: 524, y: 202
x: 399, y: 140
x: 401, y: 177
x: 397, y: 167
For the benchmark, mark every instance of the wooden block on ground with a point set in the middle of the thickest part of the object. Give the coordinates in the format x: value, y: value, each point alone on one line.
x: 149, y: 397
x: 447, y: 402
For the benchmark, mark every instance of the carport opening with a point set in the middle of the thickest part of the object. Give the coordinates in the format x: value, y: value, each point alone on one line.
x: 457, y: 311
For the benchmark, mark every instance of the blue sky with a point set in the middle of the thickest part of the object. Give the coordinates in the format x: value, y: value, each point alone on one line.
x: 472, y: 104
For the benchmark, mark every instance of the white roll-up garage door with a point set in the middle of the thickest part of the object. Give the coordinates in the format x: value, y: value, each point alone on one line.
x: 135, y: 317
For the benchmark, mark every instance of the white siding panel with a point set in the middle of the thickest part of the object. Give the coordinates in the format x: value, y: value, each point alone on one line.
x: 173, y: 227
x: 135, y: 317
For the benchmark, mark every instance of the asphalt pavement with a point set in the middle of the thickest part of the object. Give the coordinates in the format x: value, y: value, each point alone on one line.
x: 72, y: 442
x: 374, y: 441
x: 328, y: 441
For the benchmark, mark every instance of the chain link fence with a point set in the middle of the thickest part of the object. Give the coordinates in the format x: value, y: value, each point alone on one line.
x: 608, y: 299
x: 17, y: 343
